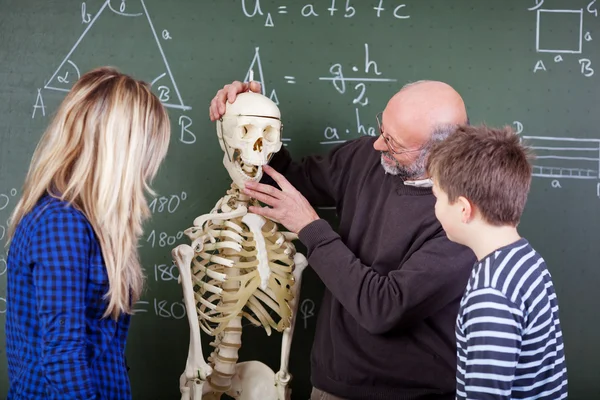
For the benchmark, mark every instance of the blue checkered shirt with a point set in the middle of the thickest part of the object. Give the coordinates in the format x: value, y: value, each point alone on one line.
x: 57, y: 343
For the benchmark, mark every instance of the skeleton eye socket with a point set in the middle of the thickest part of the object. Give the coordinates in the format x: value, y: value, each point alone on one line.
x: 244, y: 130
x: 271, y: 134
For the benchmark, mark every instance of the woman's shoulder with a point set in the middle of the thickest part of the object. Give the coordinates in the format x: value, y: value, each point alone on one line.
x: 53, y: 215
x: 50, y: 208
x: 53, y: 228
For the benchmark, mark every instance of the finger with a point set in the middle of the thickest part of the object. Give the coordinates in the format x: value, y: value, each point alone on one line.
x: 264, y: 211
x: 235, y: 88
x: 266, y: 189
x: 254, y: 87
x: 220, y: 99
x: 280, y: 179
x: 210, y: 109
x: 272, y: 201
x: 214, y: 109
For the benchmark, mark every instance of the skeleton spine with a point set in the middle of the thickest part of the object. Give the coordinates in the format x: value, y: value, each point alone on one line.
x: 227, y: 344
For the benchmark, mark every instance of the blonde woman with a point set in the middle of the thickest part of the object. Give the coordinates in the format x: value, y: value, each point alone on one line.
x: 73, y: 268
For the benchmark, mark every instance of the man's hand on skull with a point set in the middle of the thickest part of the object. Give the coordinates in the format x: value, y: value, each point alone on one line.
x: 287, y: 206
x: 229, y: 93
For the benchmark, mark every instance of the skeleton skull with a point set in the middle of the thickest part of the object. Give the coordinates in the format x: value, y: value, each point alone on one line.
x: 249, y: 133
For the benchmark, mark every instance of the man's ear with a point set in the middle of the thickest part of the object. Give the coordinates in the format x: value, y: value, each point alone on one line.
x: 467, y: 209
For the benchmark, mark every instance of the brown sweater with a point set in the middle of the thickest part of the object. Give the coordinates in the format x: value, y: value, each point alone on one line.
x: 393, y: 280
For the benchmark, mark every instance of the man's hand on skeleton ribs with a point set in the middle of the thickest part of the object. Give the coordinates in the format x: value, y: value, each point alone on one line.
x: 287, y: 206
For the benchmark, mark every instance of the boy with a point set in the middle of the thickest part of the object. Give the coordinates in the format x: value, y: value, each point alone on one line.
x: 509, y: 340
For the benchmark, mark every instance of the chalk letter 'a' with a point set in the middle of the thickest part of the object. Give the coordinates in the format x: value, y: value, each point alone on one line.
x: 539, y: 66
x: 39, y: 103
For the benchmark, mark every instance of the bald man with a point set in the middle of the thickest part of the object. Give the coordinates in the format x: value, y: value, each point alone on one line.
x: 393, y: 280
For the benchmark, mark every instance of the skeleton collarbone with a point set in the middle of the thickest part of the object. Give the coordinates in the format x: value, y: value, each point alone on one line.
x: 243, y: 266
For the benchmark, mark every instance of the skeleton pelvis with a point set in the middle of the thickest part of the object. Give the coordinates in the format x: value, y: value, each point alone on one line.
x: 253, y: 380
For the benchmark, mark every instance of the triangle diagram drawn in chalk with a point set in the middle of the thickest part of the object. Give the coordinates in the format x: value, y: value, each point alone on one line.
x: 125, y: 38
x: 250, y: 74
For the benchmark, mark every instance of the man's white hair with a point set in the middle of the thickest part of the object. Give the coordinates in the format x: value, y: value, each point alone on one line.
x: 409, y: 84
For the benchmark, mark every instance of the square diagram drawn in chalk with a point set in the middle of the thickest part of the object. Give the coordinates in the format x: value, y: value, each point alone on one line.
x: 559, y: 31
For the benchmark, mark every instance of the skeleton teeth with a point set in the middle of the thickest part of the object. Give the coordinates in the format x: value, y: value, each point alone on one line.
x: 248, y: 171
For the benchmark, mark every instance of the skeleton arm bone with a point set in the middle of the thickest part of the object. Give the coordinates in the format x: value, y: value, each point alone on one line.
x: 282, y: 377
x: 196, y: 369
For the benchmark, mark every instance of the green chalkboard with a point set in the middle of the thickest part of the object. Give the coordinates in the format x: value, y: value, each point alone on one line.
x: 331, y: 65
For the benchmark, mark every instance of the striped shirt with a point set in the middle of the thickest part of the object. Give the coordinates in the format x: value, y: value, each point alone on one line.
x: 509, y: 340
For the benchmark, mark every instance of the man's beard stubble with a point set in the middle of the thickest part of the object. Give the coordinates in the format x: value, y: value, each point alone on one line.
x: 410, y: 172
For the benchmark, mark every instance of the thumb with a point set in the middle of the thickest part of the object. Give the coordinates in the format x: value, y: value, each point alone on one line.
x: 254, y: 87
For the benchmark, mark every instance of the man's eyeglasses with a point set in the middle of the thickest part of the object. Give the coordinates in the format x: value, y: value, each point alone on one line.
x: 388, y: 142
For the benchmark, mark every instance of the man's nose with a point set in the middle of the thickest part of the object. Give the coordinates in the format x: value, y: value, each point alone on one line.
x: 379, y: 144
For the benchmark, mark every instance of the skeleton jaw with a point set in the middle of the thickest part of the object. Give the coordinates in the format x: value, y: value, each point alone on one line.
x: 250, y: 172
x: 241, y: 171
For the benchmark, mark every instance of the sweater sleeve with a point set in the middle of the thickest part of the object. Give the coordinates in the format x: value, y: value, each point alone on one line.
x: 60, y: 252
x: 417, y: 289
x: 319, y: 178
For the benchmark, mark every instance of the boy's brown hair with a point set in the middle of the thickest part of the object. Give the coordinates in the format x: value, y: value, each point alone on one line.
x: 488, y: 166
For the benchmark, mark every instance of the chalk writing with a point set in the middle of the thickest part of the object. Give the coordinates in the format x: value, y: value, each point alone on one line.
x: 565, y: 157
x: 256, y: 66
x: 339, y: 80
x: 545, y: 42
x: 3, y: 265
x: 307, y: 310
x: 591, y: 9
x: 397, y: 11
x: 85, y: 16
x: 169, y: 204
x: 161, y: 308
x: 332, y: 134
x: 64, y: 76
x: 122, y: 9
x: 39, y: 103
x: 538, y: 4
x: 253, y: 9
x: 519, y: 127
x: 164, y: 272
x: 5, y: 199
x: 539, y: 66
x: 175, y: 310
x: 586, y: 68
x: 163, y: 239
x: 187, y: 136
x: 349, y: 11
x: 570, y: 16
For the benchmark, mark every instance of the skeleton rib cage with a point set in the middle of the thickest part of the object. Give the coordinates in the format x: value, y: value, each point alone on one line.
x: 226, y: 250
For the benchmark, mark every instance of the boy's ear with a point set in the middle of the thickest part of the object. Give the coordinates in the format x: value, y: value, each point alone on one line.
x: 467, y: 209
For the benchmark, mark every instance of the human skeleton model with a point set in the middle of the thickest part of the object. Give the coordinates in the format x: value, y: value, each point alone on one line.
x: 239, y: 265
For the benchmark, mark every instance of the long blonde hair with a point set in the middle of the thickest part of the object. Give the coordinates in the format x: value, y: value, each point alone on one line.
x: 100, y: 153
